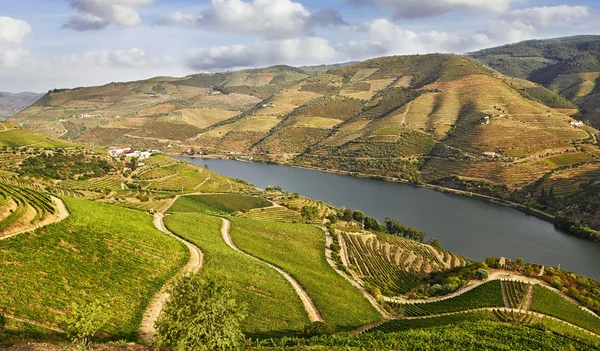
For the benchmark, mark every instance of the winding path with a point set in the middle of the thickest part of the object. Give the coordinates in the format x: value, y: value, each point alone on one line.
x: 309, y: 306
x: 157, y: 303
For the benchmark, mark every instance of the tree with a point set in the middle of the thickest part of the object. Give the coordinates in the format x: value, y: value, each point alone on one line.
x: 520, y: 262
x: 83, y: 321
x: 482, y: 274
x: 310, y: 212
x: 358, y: 216
x: 201, y: 314
x: 435, y: 243
x: 347, y: 215
x: 373, y: 224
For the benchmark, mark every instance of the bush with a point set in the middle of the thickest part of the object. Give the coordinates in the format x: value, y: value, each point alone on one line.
x: 482, y: 274
x: 201, y: 314
x: 83, y: 322
x: 317, y: 329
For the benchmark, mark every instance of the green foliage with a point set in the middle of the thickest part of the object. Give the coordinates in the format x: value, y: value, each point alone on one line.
x: 62, y: 165
x: 91, y: 255
x: 468, y: 335
x: 485, y: 295
x: 407, y: 324
x: 482, y: 274
x: 396, y: 228
x: 410, y: 143
x: 358, y: 216
x: 300, y: 250
x: 546, y: 97
x: 309, y: 212
x: 274, y: 307
x: 548, y: 302
x: 83, y: 321
x: 220, y: 203
x: 317, y: 329
x: 201, y: 314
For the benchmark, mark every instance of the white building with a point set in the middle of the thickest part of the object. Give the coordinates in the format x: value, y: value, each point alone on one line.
x: 577, y: 124
x: 118, y: 151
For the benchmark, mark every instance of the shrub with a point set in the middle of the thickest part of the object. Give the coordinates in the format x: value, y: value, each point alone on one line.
x: 482, y: 274
x: 201, y: 314
x: 83, y: 322
x: 317, y: 329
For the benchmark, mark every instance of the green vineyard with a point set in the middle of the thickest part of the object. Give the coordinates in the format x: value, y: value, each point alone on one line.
x: 515, y: 293
x: 513, y: 317
x: 484, y: 296
x: 377, y: 269
x: 276, y: 214
x: 548, y: 302
x: 24, y: 198
x: 397, y: 325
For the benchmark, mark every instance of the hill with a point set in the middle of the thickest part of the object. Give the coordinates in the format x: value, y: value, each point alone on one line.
x: 568, y: 66
x: 13, y: 103
x: 446, y: 120
x: 280, y: 252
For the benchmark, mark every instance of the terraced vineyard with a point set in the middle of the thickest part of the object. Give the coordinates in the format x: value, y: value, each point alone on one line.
x: 16, y: 201
x: 219, y: 203
x: 513, y: 317
x: 111, y: 183
x: 274, y: 307
x: 397, y: 325
x: 299, y: 250
x: 276, y: 214
x: 515, y: 292
x: 91, y: 255
x: 550, y: 303
x: 392, y: 263
x: 376, y: 269
x: 484, y: 296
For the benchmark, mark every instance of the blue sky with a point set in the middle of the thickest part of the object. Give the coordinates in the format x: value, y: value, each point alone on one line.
x: 46, y: 44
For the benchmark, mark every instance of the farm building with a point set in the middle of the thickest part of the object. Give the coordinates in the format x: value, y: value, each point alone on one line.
x: 118, y: 151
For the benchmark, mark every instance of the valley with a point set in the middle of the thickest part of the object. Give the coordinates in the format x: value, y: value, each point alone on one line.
x: 100, y: 224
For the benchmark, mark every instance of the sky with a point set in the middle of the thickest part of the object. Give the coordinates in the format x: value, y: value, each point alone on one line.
x: 47, y: 44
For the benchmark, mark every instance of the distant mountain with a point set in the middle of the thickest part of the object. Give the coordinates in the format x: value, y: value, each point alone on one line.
x: 568, y: 66
x: 12, y: 103
x: 440, y: 119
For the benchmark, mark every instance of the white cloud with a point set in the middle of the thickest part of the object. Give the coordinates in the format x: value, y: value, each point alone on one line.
x: 13, y: 31
x: 428, y: 8
x: 302, y: 51
x: 98, y: 14
x: 546, y: 16
x: 270, y: 19
x: 523, y: 24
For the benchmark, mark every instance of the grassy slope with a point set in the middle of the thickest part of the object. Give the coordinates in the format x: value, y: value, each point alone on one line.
x: 300, y: 250
x: 22, y: 137
x: 548, y: 302
x: 90, y: 255
x: 223, y: 203
x: 273, y: 307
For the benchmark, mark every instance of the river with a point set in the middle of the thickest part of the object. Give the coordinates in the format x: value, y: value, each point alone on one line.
x: 471, y: 227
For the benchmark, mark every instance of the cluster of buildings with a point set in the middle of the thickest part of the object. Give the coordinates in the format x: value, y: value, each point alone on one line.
x: 129, y: 152
x: 577, y: 124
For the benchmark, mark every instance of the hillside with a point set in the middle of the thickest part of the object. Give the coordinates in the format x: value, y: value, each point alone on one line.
x: 568, y: 66
x: 441, y: 119
x: 290, y: 260
x: 13, y: 103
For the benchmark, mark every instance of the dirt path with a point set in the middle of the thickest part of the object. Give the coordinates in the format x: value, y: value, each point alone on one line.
x: 357, y: 285
x: 60, y: 214
x: 504, y: 296
x: 406, y: 113
x: 528, y: 299
x: 157, y: 303
x: 204, y: 182
x: 309, y: 306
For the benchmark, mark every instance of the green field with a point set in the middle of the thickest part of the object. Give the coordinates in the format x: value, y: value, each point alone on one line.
x: 483, y: 296
x: 548, y: 302
x: 273, y: 307
x: 22, y: 137
x: 300, y: 250
x: 219, y: 203
x: 479, y: 335
x: 406, y: 324
x: 89, y: 256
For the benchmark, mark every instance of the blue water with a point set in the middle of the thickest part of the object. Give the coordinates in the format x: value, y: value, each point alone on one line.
x: 471, y: 227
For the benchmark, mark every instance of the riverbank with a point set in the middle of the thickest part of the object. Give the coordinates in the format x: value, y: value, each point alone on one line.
x: 530, y: 211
